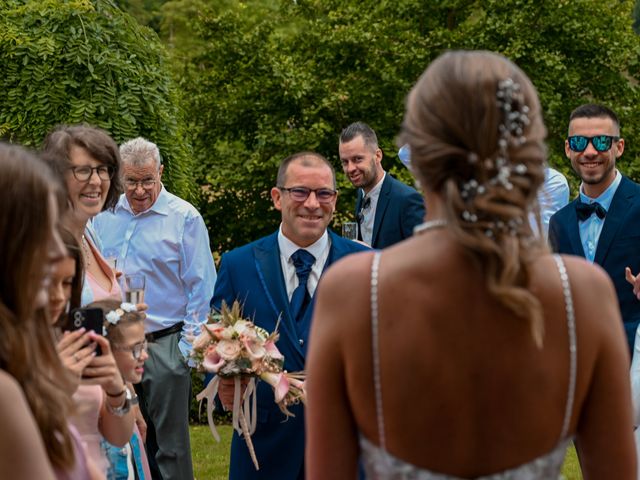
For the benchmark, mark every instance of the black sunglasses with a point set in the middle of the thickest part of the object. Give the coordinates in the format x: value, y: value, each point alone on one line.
x: 602, y: 143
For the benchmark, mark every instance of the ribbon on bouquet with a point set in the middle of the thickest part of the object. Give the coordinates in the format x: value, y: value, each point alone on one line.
x: 244, y: 413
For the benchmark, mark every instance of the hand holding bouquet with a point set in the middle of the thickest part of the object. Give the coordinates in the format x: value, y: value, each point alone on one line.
x: 234, y: 347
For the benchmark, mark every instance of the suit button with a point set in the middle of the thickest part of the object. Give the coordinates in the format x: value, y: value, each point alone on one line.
x: 301, y: 341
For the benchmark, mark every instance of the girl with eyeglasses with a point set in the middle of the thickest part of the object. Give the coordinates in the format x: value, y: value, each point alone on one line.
x: 124, y: 325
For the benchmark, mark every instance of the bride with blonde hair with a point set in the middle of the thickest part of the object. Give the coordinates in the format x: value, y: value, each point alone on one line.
x: 468, y: 350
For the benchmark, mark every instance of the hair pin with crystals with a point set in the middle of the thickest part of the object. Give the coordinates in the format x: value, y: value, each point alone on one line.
x: 114, y: 316
x: 515, y: 118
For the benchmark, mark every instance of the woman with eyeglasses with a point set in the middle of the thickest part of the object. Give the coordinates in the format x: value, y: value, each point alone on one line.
x: 87, y: 161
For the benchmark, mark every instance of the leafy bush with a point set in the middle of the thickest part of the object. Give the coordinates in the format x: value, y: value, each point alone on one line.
x: 87, y: 61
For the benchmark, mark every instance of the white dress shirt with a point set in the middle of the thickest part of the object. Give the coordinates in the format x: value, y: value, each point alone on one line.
x: 369, y: 214
x: 169, y: 245
x: 319, y: 249
x: 552, y: 196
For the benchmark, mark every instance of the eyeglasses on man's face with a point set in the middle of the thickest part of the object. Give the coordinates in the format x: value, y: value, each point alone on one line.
x: 147, y: 183
x: 84, y: 172
x: 300, y: 194
x: 136, y: 350
x: 602, y: 143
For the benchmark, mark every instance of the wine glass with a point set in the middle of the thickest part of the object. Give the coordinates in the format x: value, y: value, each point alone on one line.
x: 133, y: 288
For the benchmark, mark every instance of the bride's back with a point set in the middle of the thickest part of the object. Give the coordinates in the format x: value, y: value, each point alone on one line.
x: 465, y: 390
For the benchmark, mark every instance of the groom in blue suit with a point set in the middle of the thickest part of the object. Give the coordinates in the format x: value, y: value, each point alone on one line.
x: 276, y: 277
x: 386, y: 209
x: 603, y: 223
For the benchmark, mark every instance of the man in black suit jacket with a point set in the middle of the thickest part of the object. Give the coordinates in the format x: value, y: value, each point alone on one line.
x: 603, y: 223
x: 386, y: 209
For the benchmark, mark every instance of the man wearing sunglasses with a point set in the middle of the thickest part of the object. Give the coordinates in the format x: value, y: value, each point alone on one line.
x: 275, y: 279
x: 603, y: 223
x: 386, y: 209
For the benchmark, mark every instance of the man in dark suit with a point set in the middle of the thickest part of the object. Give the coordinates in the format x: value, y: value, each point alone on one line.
x: 603, y: 223
x: 386, y: 209
x: 275, y: 278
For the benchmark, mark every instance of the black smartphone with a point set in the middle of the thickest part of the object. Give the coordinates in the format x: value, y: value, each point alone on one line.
x: 90, y: 319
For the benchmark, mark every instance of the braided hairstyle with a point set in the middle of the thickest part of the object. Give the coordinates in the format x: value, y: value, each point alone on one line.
x: 474, y: 127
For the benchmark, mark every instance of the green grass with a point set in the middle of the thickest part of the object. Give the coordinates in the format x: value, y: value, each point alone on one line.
x: 211, y: 459
x: 571, y: 467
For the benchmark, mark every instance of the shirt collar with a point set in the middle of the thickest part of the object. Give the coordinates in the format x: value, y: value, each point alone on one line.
x: 161, y: 205
x: 288, y: 248
x: 606, y: 197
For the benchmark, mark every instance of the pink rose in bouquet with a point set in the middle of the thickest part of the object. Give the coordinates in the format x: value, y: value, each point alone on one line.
x: 232, y: 346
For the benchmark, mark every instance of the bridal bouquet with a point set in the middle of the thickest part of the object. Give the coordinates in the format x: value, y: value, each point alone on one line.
x: 234, y: 347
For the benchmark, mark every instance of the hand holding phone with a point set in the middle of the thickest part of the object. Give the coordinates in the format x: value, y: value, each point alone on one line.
x: 90, y: 319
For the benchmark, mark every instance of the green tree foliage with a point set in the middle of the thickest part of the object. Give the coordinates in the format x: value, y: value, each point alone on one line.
x: 574, y: 52
x: 263, y: 79
x: 87, y: 61
x: 280, y: 77
x: 146, y: 12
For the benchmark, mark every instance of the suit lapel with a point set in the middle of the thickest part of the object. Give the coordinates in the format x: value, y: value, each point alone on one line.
x: 614, y: 219
x: 574, y: 230
x: 360, y: 196
x: 358, y: 202
x: 383, y: 202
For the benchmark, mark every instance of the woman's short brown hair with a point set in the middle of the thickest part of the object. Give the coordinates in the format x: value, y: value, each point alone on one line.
x: 97, y: 142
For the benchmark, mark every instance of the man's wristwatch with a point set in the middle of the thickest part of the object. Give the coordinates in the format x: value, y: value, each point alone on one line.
x: 122, y: 410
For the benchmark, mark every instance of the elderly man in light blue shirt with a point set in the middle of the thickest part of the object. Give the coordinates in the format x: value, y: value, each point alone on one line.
x: 163, y: 237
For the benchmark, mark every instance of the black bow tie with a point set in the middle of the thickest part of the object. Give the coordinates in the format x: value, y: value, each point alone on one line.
x: 585, y: 210
x: 365, y: 205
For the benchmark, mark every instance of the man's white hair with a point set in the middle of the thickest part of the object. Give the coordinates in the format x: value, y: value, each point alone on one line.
x: 139, y: 152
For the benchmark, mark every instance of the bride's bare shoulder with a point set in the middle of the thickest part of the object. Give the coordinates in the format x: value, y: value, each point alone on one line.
x: 355, y: 266
x: 592, y: 290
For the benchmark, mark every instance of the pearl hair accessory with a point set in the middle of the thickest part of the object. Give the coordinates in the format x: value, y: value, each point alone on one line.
x: 515, y: 117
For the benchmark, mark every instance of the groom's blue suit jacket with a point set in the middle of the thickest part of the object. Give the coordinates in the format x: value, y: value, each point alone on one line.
x: 618, y: 246
x: 253, y: 275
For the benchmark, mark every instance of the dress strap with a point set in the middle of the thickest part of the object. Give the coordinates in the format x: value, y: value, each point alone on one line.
x: 571, y: 326
x: 375, y: 348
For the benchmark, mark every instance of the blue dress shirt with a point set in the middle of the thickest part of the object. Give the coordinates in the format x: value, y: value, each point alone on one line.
x: 591, y: 228
x: 169, y: 244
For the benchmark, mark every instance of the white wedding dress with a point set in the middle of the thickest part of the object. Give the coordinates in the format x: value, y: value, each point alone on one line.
x: 381, y: 465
